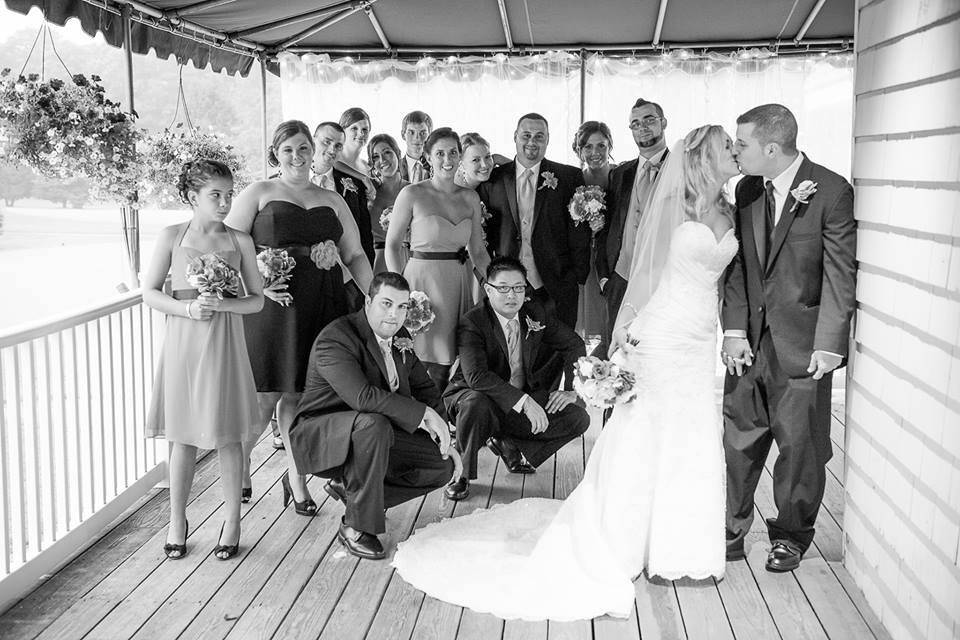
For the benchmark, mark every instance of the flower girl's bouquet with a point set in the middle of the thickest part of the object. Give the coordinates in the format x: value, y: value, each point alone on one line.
x: 210, y: 275
x: 275, y: 265
x: 420, y: 315
x: 603, y: 384
x: 587, y: 205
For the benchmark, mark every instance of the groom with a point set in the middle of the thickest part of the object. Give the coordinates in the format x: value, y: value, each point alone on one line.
x: 527, y: 200
x: 788, y: 299
x: 369, y: 416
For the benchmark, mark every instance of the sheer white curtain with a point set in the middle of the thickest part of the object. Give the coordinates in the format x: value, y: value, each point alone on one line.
x: 487, y: 95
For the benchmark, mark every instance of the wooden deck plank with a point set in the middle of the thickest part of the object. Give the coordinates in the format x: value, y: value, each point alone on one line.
x: 178, y: 576
x: 574, y: 630
x: 860, y: 601
x: 89, y: 610
x: 836, y: 611
x: 746, y: 609
x: 267, y: 611
x: 658, y: 609
x: 702, y: 609
x: 608, y: 628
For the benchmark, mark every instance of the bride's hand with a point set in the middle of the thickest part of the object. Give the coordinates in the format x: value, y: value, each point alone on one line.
x: 619, y: 340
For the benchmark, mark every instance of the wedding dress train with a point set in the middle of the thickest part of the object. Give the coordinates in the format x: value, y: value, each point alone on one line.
x: 652, y: 495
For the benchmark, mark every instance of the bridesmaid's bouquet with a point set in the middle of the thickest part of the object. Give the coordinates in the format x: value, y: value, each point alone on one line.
x: 385, y: 218
x: 210, y: 275
x: 603, y: 384
x: 325, y: 255
x: 420, y: 315
x: 275, y: 265
x: 587, y: 205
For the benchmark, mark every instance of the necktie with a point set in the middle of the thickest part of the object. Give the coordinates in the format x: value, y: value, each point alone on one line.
x: 651, y: 169
x: 770, y: 207
x: 417, y: 174
x: 387, y: 350
x: 326, y: 182
x: 516, y: 357
x: 527, y: 191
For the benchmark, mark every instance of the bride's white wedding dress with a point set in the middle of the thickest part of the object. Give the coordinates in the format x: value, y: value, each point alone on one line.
x: 652, y: 495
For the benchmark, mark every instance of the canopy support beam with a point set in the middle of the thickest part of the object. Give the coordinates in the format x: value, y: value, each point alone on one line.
x: 376, y: 26
x: 199, y: 7
x: 661, y: 14
x: 320, y: 26
x: 809, y: 21
x: 505, y: 21
x: 264, y: 134
x: 303, y: 17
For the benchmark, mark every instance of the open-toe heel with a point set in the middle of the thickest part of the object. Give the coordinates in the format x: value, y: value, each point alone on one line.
x: 225, y: 551
x: 180, y: 549
x: 306, y: 508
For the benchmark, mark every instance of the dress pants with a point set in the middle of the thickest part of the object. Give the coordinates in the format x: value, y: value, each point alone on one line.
x: 478, y: 418
x: 613, y: 293
x: 766, y: 405
x: 387, y: 466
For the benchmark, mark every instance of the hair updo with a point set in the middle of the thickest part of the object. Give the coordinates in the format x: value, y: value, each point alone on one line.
x: 284, y: 131
x: 353, y: 115
x: 383, y: 138
x: 586, y: 130
x: 468, y: 140
x: 198, y: 173
x: 443, y: 133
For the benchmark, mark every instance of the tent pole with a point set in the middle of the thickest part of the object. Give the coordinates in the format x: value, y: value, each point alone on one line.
x: 583, y: 88
x: 264, y: 135
x: 130, y: 214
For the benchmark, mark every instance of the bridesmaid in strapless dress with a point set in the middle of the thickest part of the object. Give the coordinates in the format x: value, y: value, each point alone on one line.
x: 384, y: 155
x: 444, y: 223
x: 313, y: 225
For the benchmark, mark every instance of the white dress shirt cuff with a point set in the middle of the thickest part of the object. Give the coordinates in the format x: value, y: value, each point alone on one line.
x: 519, y: 406
x: 735, y: 333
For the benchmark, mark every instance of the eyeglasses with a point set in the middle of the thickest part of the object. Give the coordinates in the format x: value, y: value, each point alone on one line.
x: 505, y: 288
x: 647, y: 122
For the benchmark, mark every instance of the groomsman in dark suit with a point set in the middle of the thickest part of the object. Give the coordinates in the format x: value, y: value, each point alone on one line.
x: 414, y: 130
x: 370, y: 417
x: 527, y: 200
x: 505, y: 390
x: 328, y: 138
x: 630, y: 184
x: 788, y: 299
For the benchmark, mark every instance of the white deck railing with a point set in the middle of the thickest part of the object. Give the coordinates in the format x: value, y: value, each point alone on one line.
x: 75, y: 393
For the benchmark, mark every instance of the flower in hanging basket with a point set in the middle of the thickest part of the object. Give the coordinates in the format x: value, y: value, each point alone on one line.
x: 41, y: 126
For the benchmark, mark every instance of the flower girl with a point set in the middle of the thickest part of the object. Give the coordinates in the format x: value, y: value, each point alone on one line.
x: 203, y: 394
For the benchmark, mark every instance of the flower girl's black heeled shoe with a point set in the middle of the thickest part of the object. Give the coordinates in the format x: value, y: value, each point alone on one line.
x: 306, y: 508
x: 225, y: 551
x: 180, y: 549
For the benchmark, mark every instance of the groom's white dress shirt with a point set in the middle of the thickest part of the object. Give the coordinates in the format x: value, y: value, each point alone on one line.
x: 781, y: 186
x: 525, y: 205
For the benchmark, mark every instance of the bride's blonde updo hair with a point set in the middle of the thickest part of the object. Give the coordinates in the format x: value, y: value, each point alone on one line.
x: 702, y: 182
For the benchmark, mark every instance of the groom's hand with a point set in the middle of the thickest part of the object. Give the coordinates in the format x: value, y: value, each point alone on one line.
x: 559, y: 400
x: 822, y: 363
x: 736, y: 355
x: 436, y: 426
x: 536, y: 415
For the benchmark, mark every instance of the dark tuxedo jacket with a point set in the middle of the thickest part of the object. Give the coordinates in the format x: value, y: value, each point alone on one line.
x: 561, y: 250
x: 346, y: 374
x: 484, y: 363
x: 609, y: 240
x: 357, y: 202
x: 803, y: 286
x: 405, y: 173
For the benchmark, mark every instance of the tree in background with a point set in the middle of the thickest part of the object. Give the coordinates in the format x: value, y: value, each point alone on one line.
x: 16, y: 182
x: 73, y: 193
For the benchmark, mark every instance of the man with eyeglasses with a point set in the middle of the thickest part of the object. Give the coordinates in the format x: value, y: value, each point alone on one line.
x: 629, y: 186
x: 527, y: 200
x: 505, y: 389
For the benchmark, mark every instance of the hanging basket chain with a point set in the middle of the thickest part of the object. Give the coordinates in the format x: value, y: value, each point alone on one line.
x: 32, y: 47
x: 181, y: 98
x: 44, y: 30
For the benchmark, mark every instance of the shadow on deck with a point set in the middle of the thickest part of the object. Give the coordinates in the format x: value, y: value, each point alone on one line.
x: 292, y: 578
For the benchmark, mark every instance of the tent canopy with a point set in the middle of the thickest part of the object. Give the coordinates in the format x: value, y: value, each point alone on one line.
x: 233, y: 34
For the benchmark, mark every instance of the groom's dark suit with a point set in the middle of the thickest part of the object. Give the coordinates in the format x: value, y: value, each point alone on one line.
x: 350, y: 424
x: 561, y: 250
x: 792, y: 297
x: 481, y: 400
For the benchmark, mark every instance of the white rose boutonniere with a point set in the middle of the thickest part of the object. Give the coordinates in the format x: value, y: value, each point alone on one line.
x: 549, y: 180
x: 348, y: 185
x: 533, y: 327
x: 803, y: 193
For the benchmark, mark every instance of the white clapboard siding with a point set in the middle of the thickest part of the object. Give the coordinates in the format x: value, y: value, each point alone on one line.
x: 902, y: 485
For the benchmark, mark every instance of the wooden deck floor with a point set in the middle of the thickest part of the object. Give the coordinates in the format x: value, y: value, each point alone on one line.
x: 293, y: 580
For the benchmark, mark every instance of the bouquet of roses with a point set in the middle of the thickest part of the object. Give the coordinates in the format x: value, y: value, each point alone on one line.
x: 601, y: 383
x: 210, y: 275
x: 587, y: 205
x: 420, y: 315
x: 325, y: 255
x: 385, y: 218
x: 275, y: 265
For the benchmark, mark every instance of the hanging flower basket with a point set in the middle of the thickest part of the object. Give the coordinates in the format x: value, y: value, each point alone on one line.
x: 70, y: 129
x: 165, y: 152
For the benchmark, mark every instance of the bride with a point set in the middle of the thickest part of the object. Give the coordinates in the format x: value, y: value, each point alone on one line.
x: 652, y: 496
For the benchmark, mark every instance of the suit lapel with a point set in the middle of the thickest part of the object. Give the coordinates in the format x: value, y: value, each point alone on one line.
x: 370, y: 341
x: 497, y: 330
x: 403, y: 379
x: 540, y: 192
x: 758, y: 220
x: 789, y: 213
x: 510, y: 186
x: 529, y: 341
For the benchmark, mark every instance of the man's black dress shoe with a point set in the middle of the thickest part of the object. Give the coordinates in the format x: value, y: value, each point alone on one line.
x: 457, y: 490
x: 336, y: 490
x: 360, y: 543
x: 783, y: 556
x: 510, y: 455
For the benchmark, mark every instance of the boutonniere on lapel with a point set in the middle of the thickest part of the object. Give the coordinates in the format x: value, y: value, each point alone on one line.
x: 348, y: 185
x: 549, y: 180
x: 803, y: 193
x: 533, y: 327
x: 403, y: 345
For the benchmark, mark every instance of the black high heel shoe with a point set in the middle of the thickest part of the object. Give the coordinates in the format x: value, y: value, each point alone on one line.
x: 245, y: 494
x: 306, y: 508
x: 228, y: 550
x: 180, y: 549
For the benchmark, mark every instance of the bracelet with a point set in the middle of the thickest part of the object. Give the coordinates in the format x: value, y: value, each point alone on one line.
x: 189, y: 315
